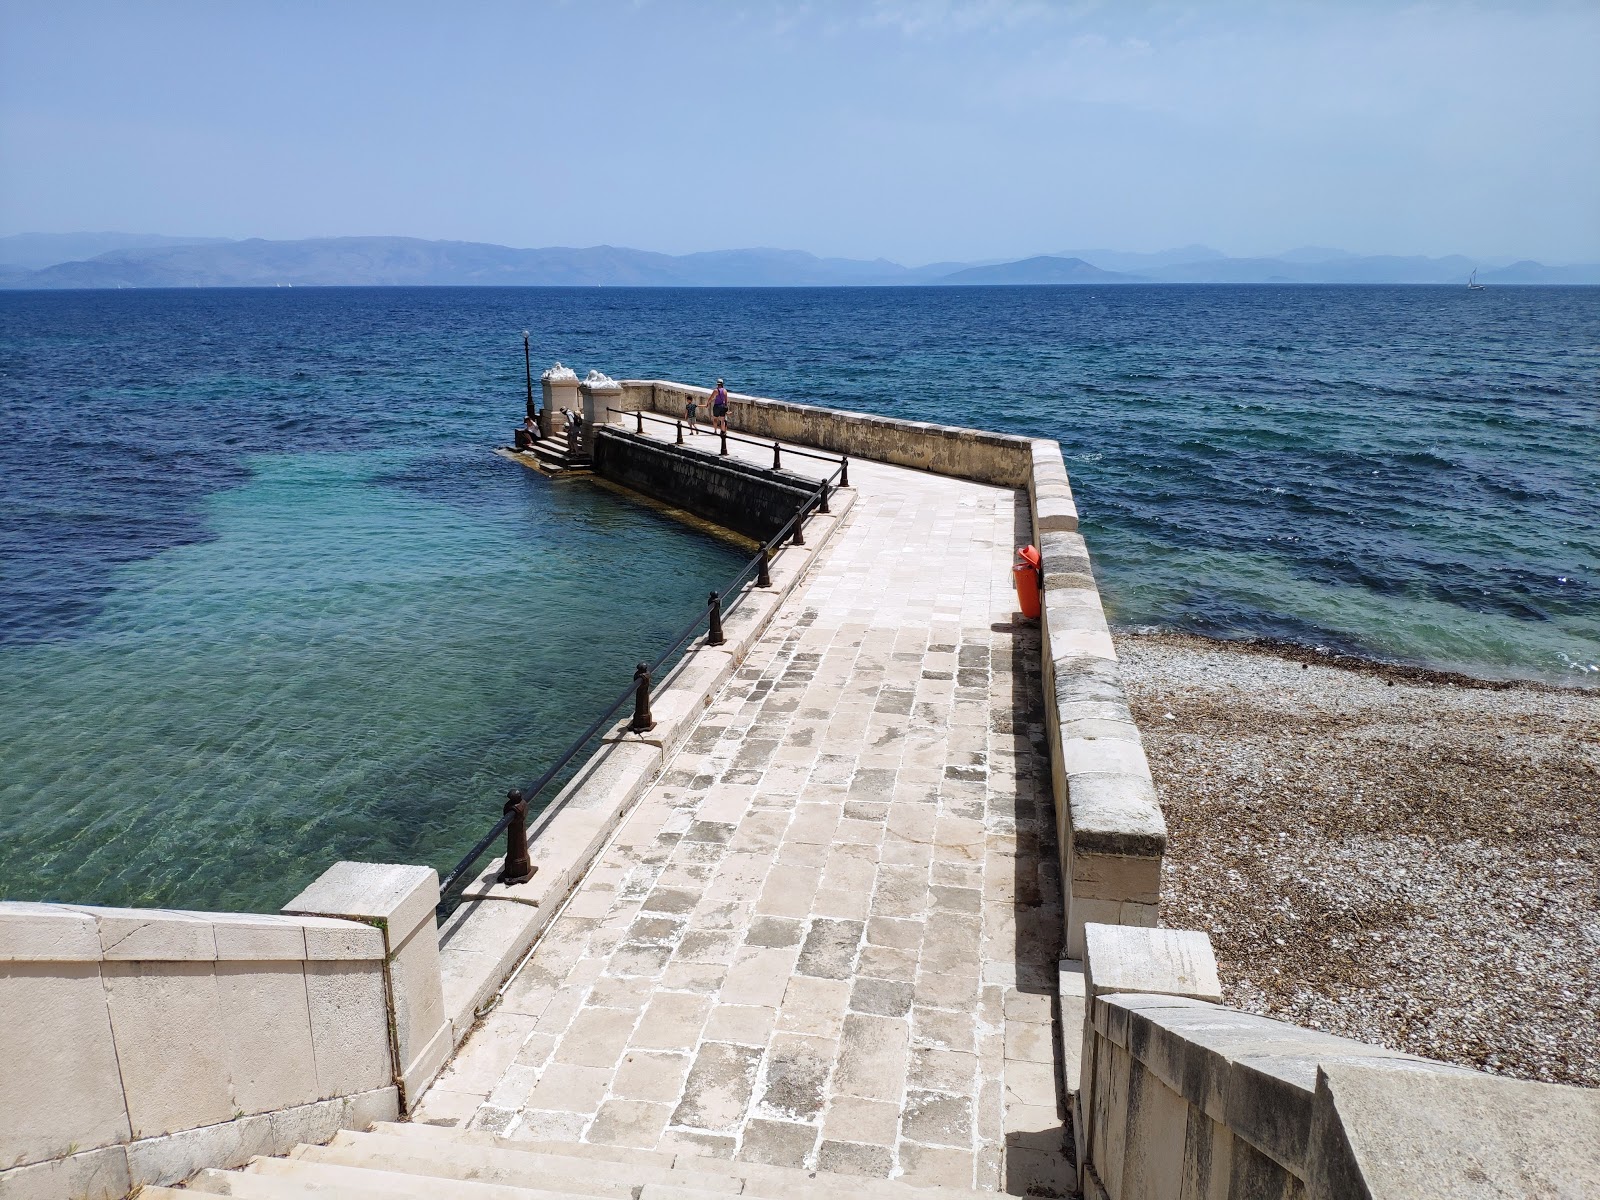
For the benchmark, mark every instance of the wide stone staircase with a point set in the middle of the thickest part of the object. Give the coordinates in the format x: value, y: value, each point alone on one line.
x: 452, y: 1164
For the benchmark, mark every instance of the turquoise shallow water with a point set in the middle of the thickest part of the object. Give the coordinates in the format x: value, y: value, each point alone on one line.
x: 341, y: 669
x: 267, y: 600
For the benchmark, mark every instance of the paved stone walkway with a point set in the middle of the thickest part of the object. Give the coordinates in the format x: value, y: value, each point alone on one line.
x: 827, y: 936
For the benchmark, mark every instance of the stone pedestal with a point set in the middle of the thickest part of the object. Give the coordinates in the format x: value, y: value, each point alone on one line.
x: 599, y: 392
x: 399, y: 901
x: 560, y: 387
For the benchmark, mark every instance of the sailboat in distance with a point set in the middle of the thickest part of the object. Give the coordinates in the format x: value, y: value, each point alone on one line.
x: 1472, y: 283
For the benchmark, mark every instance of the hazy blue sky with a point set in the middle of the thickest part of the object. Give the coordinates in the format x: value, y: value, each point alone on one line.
x: 913, y: 129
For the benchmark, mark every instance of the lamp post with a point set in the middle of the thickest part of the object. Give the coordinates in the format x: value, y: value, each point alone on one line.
x: 527, y: 362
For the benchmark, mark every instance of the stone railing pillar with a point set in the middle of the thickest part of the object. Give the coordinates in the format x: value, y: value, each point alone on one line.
x: 599, y: 392
x: 1127, y: 959
x: 399, y: 901
x: 560, y: 387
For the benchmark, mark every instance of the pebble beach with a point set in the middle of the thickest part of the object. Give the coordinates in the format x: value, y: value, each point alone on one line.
x: 1387, y: 853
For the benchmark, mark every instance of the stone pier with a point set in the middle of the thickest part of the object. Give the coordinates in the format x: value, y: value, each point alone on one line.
x: 828, y: 935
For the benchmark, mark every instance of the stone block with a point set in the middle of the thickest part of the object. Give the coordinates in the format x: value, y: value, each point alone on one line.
x: 47, y: 933
x: 1415, y: 1131
x: 60, y: 1084
x: 1118, y: 877
x: 1103, y: 756
x: 1163, y: 962
x: 872, y: 1057
x: 394, y: 897
x: 242, y: 937
x: 1255, y: 1175
x: 155, y: 935
x: 1207, y: 1158
x: 349, y: 1020
x: 1115, y: 812
x: 1157, y: 1124
x: 1108, y: 1115
x: 1080, y: 643
x: 160, y: 1161
x: 330, y: 940
x: 172, y: 1045
x: 271, y: 1062
x: 1055, y: 513
x: 89, y: 1175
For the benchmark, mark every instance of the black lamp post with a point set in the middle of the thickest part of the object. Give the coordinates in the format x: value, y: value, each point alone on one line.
x: 527, y: 361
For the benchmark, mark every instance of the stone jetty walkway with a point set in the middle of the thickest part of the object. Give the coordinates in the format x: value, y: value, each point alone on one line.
x: 827, y: 937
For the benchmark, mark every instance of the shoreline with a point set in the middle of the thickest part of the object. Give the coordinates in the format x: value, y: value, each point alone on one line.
x: 1390, y: 853
x: 1388, y: 668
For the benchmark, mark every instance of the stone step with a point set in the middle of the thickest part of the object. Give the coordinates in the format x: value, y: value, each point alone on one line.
x: 294, y: 1179
x: 495, y: 1164
x: 659, y: 1159
x: 775, y: 1183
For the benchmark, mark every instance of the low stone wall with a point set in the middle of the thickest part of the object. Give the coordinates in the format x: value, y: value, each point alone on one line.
x: 726, y: 491
x: 996, y: 458
x: 1109, y: 826
x: 137, y: 1046
x: 1183, y: 1097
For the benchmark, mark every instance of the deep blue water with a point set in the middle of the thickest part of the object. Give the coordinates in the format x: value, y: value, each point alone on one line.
x: 265, y: 598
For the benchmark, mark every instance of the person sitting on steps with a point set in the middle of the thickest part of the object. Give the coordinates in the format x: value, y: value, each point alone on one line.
x: 526, y: 434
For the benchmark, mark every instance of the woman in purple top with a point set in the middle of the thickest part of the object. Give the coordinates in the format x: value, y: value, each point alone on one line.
x: 719, y: 408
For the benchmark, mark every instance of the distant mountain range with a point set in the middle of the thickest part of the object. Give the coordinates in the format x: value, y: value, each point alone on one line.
x: 110, y: 260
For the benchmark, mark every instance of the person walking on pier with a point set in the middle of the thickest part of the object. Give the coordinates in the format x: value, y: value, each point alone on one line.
x: 719, y: 409
x: 691, y: 406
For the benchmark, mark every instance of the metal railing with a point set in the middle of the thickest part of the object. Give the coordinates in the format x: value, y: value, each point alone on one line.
x: 778, y: 448
x: 513, y: 822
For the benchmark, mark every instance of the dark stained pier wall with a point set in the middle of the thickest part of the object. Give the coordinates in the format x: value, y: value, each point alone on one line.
x: 737, y: 495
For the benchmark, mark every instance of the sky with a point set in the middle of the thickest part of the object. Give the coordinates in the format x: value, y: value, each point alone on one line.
x: 914, y: 130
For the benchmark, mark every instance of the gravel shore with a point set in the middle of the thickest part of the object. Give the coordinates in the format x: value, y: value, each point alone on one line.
x: 1386, y: 853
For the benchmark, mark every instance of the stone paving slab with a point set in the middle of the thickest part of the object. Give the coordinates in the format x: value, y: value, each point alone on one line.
x: 828, y: 935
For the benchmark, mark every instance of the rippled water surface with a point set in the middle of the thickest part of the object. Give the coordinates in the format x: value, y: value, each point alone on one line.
x: 266, y: 600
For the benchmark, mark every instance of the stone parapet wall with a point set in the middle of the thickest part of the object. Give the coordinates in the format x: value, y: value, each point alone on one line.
x: 139, y: 1045
x: 1181, y: 1096
x: 996, y: 458
x: 1109, y: 826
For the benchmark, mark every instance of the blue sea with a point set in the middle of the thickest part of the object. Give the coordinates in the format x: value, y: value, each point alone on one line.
x: 267, y: 599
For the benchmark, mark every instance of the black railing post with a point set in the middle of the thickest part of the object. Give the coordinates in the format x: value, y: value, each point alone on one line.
x: 679, y: 424
x: 643, y: 721
x: 638, y: 416
x: 518, y: 867
x: 799, y: 527
x: 527, y: 363
x: 777, y: 458
x: 764, y: 571
x: 844, y: 472
x: 724, y: 435
x: 714, y: 637
x: 822, y: 507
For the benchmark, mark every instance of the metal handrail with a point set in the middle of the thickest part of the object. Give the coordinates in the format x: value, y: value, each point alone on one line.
x: 715, y: 609
x: 775, y: 445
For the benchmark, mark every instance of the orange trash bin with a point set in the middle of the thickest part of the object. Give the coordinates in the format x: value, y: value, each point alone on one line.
x: 1026, y: 578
